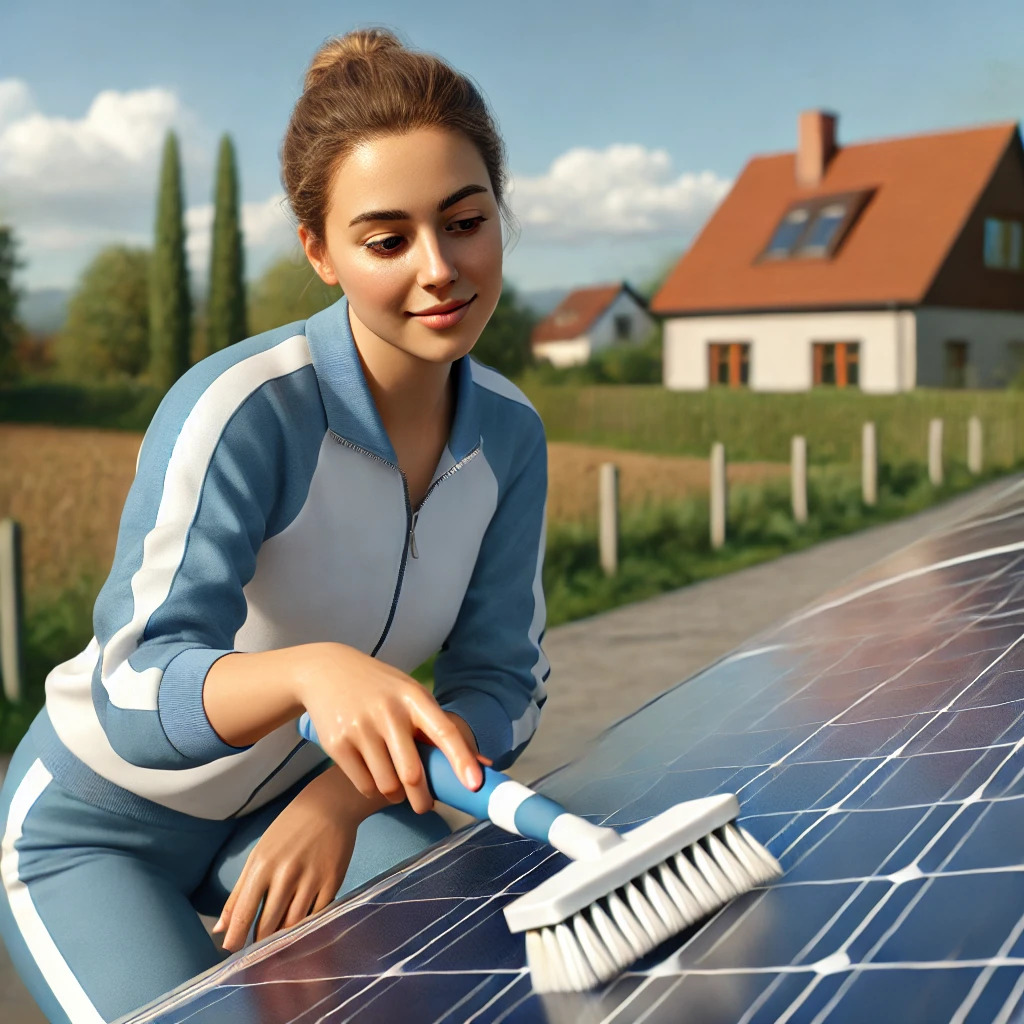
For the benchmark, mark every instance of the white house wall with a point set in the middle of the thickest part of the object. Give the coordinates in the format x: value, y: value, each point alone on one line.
x: 781, y: 348
x: 602, y: 333
x: 990, y: 336
x: 573, y: 352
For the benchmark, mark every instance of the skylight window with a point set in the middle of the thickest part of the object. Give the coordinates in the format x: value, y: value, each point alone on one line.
x: 824, y: 228
x: 787, y: 233
x: 815, y: 227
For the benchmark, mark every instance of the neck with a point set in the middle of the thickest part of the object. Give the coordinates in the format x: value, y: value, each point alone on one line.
x: 409, y: 393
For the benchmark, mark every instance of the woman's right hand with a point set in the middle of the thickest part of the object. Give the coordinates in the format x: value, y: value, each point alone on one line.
x: 368, y: 716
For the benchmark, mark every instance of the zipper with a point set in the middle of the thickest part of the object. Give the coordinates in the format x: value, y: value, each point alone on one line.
x: 410, y: 517
x: 430, y: 490
x: 412, y: 533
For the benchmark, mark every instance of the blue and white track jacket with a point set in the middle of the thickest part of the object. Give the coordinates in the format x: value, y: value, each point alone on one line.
x: 268, y: 510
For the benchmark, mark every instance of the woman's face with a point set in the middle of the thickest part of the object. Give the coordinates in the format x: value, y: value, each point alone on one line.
x: 397, y: 254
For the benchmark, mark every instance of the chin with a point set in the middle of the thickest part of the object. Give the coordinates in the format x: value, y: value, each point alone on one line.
x: 442, y: 349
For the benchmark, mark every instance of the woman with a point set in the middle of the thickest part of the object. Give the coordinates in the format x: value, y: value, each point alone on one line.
x: 315, y: 511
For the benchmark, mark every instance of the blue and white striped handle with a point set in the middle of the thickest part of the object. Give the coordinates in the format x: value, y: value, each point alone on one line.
x: 508, y: 804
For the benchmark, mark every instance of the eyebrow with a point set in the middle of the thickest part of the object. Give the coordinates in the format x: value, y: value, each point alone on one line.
x: 466, y: 190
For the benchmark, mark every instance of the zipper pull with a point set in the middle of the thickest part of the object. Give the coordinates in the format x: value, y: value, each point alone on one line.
x: 412, y: 536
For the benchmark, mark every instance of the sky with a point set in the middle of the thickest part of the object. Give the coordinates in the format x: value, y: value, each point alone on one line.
x: 625, y: 124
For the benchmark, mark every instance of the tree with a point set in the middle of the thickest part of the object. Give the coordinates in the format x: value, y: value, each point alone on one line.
x: 288, y: 290
x: 225, y: 311
x: 170, y: 307
x: 505, y: 342
x: 10, y: 329
x: 106, y: 335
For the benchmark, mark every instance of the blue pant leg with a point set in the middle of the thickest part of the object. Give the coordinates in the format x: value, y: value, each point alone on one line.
x: 94, y: 926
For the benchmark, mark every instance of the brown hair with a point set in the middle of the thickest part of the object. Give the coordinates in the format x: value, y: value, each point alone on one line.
x: 366, y: 85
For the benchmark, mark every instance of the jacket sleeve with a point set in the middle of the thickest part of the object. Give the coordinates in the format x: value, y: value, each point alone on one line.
x: 492, y: 670
x: 207, y: 481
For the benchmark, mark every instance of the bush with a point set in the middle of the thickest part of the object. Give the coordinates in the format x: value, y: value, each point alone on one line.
x: 122, y: 406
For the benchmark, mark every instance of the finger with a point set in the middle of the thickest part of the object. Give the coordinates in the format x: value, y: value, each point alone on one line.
x: 300, y: 906
x: 225, y: 915
x: 378, y: 760
x: 275, y: 907
x: 245, y: 913
x: 442, y: 732
x: 250, y: 891
x: 351, y: 762
x: 485, y: 760
x: 324, y: 898
x: 406, y: 759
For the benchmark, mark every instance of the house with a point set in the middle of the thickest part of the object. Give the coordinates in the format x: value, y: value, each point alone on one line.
x: 589, y: 320
x: 881, y: 265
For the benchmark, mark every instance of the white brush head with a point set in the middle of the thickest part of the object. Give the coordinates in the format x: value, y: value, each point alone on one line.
x: 582, y: 882
x: 608, y: 930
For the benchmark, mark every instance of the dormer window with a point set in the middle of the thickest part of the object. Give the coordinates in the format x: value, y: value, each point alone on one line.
x: 1003, y: 244
x: 815, y: 227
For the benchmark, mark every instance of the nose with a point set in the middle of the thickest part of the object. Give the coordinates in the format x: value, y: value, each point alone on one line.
x: 436, y: 266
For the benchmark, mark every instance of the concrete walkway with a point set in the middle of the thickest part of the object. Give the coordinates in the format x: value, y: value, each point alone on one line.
x: 603, y: 668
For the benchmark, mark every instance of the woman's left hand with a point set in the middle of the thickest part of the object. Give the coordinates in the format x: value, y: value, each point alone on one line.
x: 299, y: 863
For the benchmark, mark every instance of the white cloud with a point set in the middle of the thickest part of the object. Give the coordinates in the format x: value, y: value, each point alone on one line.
x: 57, y: 165
x: 72, y: 185
x: 15, y: 100
x: 622, y: 191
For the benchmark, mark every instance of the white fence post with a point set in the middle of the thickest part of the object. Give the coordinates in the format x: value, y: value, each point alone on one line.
x: 719, y: 496
x: 935, y: 452
x: 974, y: 445
x: 798, y: 476
x: 869, y: 465
x: 11, y: 664
x: 608, y: 517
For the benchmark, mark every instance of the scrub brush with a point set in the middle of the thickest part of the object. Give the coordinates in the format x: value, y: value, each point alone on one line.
x: 622, y: 895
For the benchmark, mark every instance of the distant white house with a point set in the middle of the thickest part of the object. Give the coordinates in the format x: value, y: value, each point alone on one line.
x: 884, y: 266
x: 589, y: 320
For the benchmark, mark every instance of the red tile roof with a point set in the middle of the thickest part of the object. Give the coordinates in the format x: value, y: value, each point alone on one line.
x: 576, y: 313
x: 926, y: 187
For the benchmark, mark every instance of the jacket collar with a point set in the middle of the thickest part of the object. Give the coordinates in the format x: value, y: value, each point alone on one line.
x: 351, y: 412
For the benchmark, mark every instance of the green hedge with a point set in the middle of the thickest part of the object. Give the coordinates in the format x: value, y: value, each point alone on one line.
x: 758, y: 426
x: 641, y: 417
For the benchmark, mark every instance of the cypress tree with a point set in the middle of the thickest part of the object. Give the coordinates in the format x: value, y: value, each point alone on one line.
x: 226, y: 306
x: 170, y: 307
x: 10, y: 329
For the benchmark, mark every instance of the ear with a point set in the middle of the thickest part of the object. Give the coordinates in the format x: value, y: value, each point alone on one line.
x: 316, y: 253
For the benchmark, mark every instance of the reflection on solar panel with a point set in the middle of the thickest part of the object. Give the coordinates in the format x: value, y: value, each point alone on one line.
x: 876, y: 742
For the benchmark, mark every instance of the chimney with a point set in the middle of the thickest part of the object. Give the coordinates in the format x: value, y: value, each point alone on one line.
x: 815, y: 147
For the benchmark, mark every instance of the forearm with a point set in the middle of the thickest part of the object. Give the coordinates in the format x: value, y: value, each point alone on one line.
x: 247, y: 696
x: 343, y: 797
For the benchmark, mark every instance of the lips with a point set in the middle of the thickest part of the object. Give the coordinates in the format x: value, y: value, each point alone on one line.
x: 447, y: 308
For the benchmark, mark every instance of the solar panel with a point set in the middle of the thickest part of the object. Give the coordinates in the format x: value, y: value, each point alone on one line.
x: 876, y: 743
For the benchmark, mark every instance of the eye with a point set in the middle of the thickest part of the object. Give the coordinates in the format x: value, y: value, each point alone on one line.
x: 381, y: 245
x: 390, y: 245
x: 470, y: 222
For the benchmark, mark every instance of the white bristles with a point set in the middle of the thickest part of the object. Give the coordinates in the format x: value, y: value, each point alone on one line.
x: 595, y: 943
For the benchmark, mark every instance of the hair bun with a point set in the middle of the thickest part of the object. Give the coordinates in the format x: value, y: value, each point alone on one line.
x: 357, y: 45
